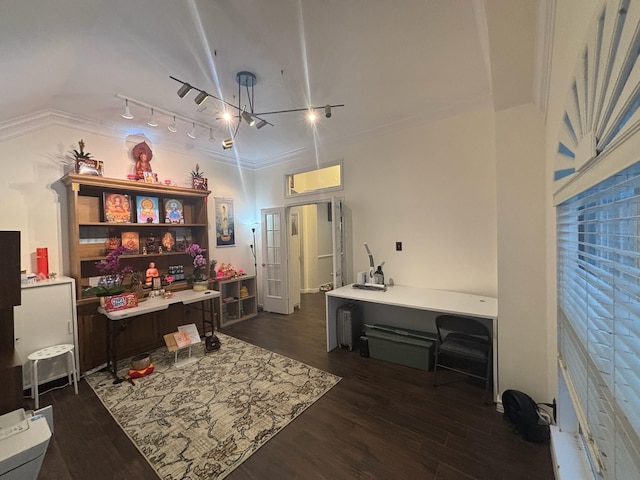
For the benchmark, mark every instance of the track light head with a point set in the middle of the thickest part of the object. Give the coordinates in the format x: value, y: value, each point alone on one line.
x: 327, y: 111
x: 201, y: 97
x: 152, y: 121
x: 261, y: 124
x: 227, y: 144
x: 184, y: 89
x: 192, y: 133
x: 247, y: 117
x: 311, y: 116
x: 127, y: 112
x: 172, y: 127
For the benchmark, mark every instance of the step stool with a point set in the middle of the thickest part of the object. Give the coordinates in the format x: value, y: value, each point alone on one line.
x: 48, y: 353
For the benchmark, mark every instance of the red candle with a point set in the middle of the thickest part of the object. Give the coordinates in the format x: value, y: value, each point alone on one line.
x: 42, y: 260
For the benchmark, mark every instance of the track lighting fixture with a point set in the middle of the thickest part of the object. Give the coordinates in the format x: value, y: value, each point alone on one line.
x: 172, y: 127
x: 247, y: 81
x: 201, y: 97
x: 184, y: 89
x: 152, y: 121
x: 154, y: 112
x: 127, y: 112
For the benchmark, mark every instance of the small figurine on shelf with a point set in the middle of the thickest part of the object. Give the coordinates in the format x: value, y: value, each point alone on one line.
x: 151, y: 272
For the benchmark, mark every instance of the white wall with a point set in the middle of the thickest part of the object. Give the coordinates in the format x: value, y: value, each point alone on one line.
x: 522, y: 341
x: 430, y: 186
x: 35, y: 201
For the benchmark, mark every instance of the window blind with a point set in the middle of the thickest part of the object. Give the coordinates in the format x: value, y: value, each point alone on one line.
x: 598, y: 239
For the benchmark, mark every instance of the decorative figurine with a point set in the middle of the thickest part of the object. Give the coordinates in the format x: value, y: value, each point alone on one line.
x: 151, y: 273
x: 142, y: 154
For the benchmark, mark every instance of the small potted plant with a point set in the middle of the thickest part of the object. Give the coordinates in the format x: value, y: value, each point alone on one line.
x: 84, y: 163
x: 81, y: 153
x: 198, y: 181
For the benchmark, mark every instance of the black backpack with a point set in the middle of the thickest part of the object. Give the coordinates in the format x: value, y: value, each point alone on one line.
x: 523, y: 413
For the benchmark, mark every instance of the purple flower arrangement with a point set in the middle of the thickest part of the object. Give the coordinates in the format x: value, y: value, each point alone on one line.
x: 111, y: 264
x: 199, y: 263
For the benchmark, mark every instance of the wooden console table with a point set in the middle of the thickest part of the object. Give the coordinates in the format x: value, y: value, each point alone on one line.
x: 152, y: 305
x: 413, y: 308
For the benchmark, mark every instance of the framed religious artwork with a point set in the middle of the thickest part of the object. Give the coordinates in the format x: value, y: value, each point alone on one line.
x: 150, y: 244
x: 173, y: 211
x: 169, y: 241
x: 131, y: 243
x: 225, y: 228
x: 117, y: 208
x: 147, y: 210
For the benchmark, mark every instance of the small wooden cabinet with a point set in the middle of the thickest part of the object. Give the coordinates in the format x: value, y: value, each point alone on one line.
x: 89, y: 235
x: 237, y: 298
x: 46, y: 317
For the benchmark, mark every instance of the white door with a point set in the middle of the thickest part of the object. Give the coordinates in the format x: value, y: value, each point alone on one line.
x: 338, y: 242
x: 295, y: 256
x: 275, y: 256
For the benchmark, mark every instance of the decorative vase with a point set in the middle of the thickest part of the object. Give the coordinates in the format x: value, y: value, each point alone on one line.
x: 201, y: 286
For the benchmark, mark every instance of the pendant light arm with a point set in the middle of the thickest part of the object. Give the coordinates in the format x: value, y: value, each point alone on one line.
x: 297, y: 110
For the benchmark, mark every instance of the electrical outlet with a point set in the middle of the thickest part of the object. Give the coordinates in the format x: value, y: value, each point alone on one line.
x: 398, y: 246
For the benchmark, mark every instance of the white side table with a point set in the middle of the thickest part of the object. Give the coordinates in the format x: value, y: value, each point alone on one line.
x: 48, y: 353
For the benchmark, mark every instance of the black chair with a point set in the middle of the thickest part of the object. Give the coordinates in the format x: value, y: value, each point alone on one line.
x: 464, y: 345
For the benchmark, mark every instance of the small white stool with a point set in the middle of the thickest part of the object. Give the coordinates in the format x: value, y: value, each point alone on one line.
x: 45, y: 354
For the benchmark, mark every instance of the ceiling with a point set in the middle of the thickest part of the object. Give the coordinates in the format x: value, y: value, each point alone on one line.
x: 390, y: 63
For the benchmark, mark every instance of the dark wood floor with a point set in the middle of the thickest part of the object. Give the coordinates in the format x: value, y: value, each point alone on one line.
x: 382, y: 421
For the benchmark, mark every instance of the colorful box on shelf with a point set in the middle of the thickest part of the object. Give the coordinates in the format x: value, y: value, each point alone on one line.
x: 120, y: 302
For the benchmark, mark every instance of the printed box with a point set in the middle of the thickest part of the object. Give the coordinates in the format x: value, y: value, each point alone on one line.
x: 120, y: 302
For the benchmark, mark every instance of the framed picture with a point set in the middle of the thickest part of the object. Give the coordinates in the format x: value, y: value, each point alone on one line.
x: 173, y: 211
x: 149, y: 177
x: 183, y: 238
x: 225, y: 229
x: 89, y: 166
x: 147, y: 210
x: 150, y: 244
x: 117, y: 208
x: 199, y: 183
x: 169, y: 241
x: 131, y: 243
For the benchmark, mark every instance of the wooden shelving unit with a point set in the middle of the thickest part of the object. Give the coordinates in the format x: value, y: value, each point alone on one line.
x: 237, y: 307
x: 88, y: 234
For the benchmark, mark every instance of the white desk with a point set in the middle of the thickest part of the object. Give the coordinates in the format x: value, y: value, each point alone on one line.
x: 150, y: 305
x: 414, y: 308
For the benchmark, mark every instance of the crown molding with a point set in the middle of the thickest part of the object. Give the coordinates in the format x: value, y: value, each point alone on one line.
x: 33, y: 122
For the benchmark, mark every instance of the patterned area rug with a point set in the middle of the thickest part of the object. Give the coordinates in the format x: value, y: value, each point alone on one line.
x: 203, y: 420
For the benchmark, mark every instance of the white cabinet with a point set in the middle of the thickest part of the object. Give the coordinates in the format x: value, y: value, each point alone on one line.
x: 47, y: 316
